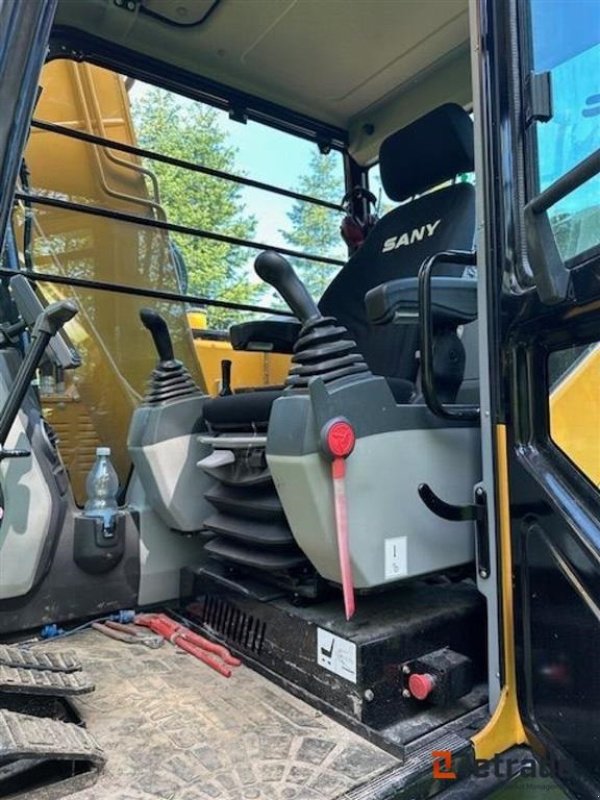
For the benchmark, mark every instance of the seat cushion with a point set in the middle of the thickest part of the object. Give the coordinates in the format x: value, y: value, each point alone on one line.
x: 250, y: 411
x: 241, y: 411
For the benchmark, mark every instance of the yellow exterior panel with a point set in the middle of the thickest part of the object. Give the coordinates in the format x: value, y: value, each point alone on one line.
x: 575, y: 415
x: 247, y: 369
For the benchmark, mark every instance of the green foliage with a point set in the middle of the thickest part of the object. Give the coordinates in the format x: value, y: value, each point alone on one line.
x: 316, y: 229
x: 576, y: 232
x: 176, y: 127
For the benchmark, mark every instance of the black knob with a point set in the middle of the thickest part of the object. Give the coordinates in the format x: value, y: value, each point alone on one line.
x: 277, y: 271
x: 159, y: 332
x: 225, y: 378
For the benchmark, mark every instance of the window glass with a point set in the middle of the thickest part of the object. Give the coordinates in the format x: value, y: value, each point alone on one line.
x: 566, y: 42
x: 574, y: 377
x: 90, y: 212
x: 209, y: 137
x: 384, y: 204
x: 165, y: 123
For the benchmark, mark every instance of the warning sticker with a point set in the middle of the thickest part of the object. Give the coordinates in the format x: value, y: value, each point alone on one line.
x: 396, y: 562
x: 336, y: 654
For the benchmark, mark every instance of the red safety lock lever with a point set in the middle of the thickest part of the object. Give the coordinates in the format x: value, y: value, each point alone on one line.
x: 337, y: 442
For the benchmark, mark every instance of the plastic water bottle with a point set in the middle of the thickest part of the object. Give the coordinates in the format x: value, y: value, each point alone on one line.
x: 102, y: 485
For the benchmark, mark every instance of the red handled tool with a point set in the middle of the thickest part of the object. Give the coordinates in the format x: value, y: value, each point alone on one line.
x: 337, y: 441
x: 203, y: 649
x: 127, y: 633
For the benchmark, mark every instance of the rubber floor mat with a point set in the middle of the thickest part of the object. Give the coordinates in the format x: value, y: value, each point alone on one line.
x: 24, y: 736
x: 47, y: 682
x: 55, y: 661
x: 173, y: 728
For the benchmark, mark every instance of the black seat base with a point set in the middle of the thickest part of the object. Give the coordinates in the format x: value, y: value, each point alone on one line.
x: 287, y: 569
x: 241, y: 411
x: 250, y: 410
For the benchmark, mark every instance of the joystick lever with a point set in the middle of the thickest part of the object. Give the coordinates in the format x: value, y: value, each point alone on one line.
x: 170, y: 379
x: 47, y: 325
x: 225, y: 378
x: 277, y: 271
x: 160, y: 334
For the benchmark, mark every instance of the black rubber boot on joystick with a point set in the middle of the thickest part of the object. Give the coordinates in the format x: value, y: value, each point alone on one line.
x: 324, y: 349
x: 170, y: 380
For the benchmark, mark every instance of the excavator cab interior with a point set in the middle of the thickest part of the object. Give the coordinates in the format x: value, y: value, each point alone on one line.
x: 341, y: 352
x: 264, y: 495
x: 309, y: 486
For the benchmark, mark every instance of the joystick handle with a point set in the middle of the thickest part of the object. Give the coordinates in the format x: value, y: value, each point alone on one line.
x: 159, y: 332
x: 277, y: 271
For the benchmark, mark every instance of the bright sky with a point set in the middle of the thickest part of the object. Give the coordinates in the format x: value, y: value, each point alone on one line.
x: 268, y: 155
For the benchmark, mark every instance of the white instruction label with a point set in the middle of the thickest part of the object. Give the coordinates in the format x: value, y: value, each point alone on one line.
x: 336, y: 654
x: 396, y: 562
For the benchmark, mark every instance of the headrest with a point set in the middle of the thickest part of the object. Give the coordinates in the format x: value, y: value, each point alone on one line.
x: 431, y: 150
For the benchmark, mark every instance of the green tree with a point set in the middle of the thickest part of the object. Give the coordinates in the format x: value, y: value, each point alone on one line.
x: 316, y: 229
x: 174, y: 126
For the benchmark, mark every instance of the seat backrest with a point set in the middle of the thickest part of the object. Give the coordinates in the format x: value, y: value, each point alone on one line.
x: 429, y: 151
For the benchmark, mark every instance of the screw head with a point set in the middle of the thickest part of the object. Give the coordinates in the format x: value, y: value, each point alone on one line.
x: 406, y: 670
x: 368, y: 695
x: 406, y: 693
x: 484, y: 573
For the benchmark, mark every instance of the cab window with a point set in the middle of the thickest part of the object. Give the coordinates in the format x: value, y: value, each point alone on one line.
x: 565, y: 44
x: 131, y: 196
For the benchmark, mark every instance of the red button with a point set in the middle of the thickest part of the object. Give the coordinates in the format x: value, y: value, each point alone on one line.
x: 420, y: 686
x: 340, y: 439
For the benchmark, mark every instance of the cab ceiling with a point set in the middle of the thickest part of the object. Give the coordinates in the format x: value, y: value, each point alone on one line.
x: 366, y: 66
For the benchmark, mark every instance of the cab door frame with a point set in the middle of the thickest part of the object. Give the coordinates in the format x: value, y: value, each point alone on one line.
x: 551, y: 509
x: 24, y: 34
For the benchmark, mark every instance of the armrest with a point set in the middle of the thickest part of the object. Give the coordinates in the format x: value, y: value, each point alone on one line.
x: 265, y: 335
x: 454, y: 302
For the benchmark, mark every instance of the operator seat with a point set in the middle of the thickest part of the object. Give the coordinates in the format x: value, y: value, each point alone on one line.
x: 430, y: 151
x: 273, y: 496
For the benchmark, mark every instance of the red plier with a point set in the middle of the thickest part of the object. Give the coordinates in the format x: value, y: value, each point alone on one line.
x: 179, y: 635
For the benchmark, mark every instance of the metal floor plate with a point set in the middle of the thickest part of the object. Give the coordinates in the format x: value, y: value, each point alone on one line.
x: 174, y: 729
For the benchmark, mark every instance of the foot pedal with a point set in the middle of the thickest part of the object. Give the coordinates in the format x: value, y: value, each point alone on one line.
x: 44, y: 682
x: 23, y: 736
x: 54, y: 661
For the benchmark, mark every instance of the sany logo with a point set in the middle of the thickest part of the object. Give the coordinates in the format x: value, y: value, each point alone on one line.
x: 410, y: 237
x: 442, y: 765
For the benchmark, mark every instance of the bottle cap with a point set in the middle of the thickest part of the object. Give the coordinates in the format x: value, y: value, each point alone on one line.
x: 103, y: 451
